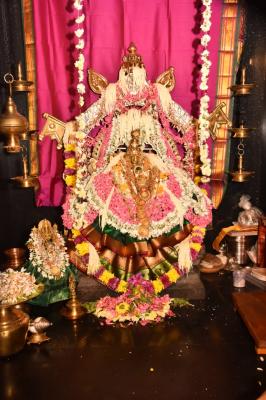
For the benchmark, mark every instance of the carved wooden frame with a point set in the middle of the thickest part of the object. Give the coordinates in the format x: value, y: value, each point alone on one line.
x: 228, y: 57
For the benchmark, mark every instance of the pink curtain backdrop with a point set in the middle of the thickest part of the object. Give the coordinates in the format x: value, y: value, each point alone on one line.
x: 166, y: 33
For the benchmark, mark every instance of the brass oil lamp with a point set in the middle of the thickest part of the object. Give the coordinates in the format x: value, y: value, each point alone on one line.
x: 242, y: 88
x: 12, y: 123
x: 20, y: 84
x: 240, y: 175
x: 73, y: 310
x: 25, y: 181
x: 241, y: 132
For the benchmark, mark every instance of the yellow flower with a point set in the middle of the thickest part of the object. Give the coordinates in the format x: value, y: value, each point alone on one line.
x: 70, y: 162
x: 199, y: 228
x: 122, y: 287
x: 70, y: 180
x: 172, y: 275
x: 122, y: 308
x: 158, y: 286
x: 75, y: 233
x: 83, y: 248
x: 123, y: 187
x: 160, y: 189
x: 163, y: 175
x: 204, y: 191
x: 151, y: 316
x: 106, y: 276
x: 195, y: 246
x: 70, y: 147
x: 197, y: 180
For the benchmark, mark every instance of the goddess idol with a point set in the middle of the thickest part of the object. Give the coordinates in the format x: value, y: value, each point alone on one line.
x: 131, y: 202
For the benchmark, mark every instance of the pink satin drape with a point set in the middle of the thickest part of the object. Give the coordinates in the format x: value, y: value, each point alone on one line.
x: 166, y: 33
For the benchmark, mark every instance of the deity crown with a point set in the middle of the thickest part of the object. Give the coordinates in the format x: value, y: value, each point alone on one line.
x: 132, y: 59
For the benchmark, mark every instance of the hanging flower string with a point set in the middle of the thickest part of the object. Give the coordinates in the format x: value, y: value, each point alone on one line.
x: 79, y: 63
x: 204, y: 101
x: 70, y: 165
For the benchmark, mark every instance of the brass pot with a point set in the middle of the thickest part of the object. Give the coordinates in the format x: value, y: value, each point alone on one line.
x: 15, y: 257
x: 14, y: 325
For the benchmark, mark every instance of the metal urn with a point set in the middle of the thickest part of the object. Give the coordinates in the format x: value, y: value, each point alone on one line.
x: 14, y: 325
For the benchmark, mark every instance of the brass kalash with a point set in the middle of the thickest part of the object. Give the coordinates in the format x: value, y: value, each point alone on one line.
x: 14, y: 126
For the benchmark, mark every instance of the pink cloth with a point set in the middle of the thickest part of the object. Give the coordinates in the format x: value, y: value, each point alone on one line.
x: 164, y: 32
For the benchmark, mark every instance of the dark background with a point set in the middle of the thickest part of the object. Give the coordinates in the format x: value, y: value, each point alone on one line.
x: 18, y: 212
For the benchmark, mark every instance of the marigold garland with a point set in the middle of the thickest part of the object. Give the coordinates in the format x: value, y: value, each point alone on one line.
x: 70, y: 165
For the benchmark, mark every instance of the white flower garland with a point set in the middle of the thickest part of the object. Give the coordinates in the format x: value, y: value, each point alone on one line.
x: 79, y: 64
x: 16, y: 286
x: 204, y: 101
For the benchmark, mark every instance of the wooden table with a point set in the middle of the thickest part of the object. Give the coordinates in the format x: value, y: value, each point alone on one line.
x: 252, y: 308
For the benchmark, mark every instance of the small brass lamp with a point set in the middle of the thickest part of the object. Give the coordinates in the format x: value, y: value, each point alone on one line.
x: 25, y: 181
x: 243, y: 88
x: 241, y: 132
x: 12, y: 123
x: 20, y: 84
x: 241, y: 175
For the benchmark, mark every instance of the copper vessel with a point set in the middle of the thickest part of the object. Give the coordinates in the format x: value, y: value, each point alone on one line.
x: 13, y: 329
x: 14, y: 257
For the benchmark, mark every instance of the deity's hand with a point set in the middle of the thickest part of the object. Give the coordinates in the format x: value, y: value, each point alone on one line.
x: 70, y: 132
x: 55, y: 128
x: 63, y: 132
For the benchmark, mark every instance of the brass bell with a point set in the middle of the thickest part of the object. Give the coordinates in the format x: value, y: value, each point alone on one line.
x: 12, y: 123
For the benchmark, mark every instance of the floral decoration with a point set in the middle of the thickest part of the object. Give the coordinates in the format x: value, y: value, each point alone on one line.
x: 70, y: 165
x: 139, y: 304
x: 79, y: 63
x: 155, y: 286
x: 48, y: 256
x: 204, y: 101
x: 17, y: 286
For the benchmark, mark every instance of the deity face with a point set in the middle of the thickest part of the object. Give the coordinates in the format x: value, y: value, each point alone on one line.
x: 132, y: 79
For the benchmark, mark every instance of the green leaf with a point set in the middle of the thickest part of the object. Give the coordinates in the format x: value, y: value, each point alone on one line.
x: 90, y: 306
x: 178, y: 302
